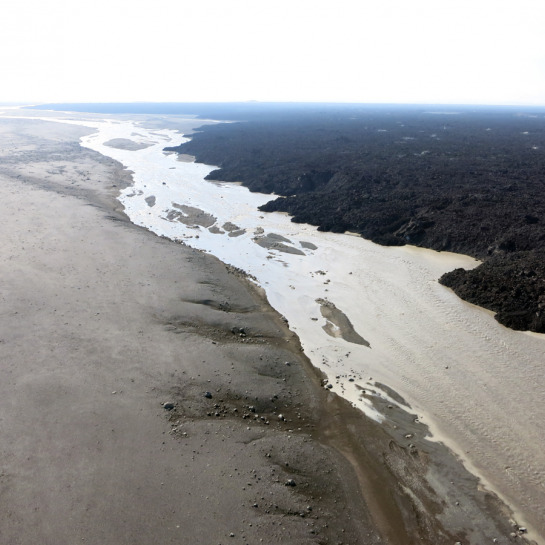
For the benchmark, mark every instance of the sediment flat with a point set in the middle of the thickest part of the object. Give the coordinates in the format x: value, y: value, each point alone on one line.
x: 149, y: 393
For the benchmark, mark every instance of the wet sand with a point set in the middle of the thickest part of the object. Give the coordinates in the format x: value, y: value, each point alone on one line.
x: 149, y: 393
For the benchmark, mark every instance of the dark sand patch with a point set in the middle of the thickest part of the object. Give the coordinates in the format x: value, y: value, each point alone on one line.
x: 126, y: 144
x: 215, y: 230
x: 308, y: 245
x: 224, y: 306
x: 338, y: 324
x: 277, y: 238
x: 233, y: 230
x: 229, y: 226
x: 272, y: 241
x: 150, y: 201
x: 189, y: 215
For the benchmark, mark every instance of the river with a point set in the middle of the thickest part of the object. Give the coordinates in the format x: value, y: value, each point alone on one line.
x: 366, y: 315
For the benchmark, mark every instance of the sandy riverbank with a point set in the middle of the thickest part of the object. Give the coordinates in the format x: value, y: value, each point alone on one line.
x: 103, y: 322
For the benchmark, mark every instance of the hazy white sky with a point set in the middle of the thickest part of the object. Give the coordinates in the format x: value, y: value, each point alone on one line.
x: 435, y: 51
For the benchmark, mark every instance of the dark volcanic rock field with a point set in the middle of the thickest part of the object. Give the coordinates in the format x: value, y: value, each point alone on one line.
x: 467, y: 180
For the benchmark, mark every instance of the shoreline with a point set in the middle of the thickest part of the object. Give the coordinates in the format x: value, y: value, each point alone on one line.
x: 329, y: 407
x: 98, y: 337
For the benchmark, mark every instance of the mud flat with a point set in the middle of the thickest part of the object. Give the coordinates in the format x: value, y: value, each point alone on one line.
x: 150, y: 393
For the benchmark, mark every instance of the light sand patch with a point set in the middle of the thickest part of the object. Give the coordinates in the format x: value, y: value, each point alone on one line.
x: 338, y: 324
x: 126, y: 144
